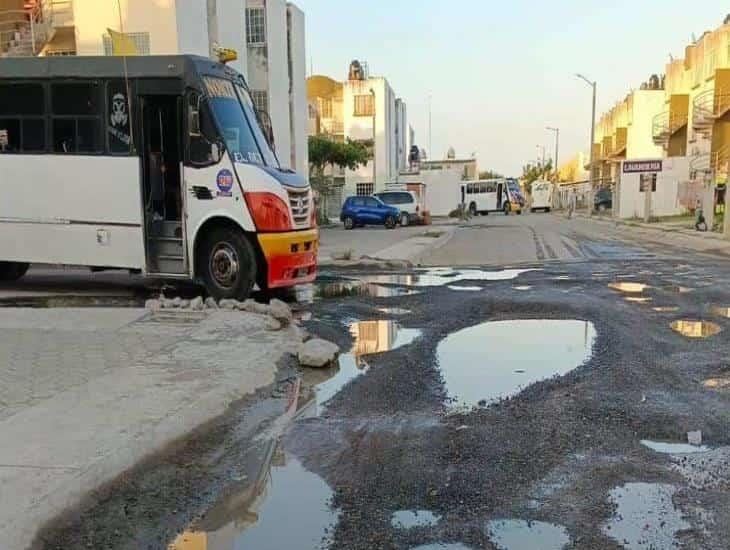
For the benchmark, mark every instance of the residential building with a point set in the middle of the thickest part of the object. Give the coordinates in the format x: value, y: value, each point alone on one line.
x: 268, y: 36
x: 362, y: 108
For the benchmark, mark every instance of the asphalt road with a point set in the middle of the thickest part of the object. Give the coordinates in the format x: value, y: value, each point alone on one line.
x: 547, y: 408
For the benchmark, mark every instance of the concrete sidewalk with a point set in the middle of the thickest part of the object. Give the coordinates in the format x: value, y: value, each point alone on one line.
x: 665, y: 234
x: 88, y: 393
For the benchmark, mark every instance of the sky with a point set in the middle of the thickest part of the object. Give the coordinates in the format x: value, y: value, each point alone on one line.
x: 499, y: 72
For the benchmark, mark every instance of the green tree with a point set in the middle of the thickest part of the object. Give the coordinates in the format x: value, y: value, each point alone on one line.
x: 533, y: 172
x: 490, y: 175
x: 325, y: 152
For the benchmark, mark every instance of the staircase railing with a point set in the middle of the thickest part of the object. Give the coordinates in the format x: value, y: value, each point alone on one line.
x: 26, y: 32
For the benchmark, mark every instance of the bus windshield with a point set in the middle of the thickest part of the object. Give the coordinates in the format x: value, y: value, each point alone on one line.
x: 238, y: 125
x: 248, y: 107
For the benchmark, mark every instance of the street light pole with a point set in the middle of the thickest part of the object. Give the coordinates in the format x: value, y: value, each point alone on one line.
x: 592, y: 84
x: 375, y: 148
x: 557, y: 148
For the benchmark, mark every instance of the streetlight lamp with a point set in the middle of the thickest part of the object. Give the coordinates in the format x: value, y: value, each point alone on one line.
x: 592, y: 84
x: 557, y: 145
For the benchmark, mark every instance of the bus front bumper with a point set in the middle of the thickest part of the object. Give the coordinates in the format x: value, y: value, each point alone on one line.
x: 291, y: 257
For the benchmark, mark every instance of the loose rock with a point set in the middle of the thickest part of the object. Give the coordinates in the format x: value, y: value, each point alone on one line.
x: 228, y: 304
x: 153, y: 305
x: 210, y: 303
x: 197, y: 304
x: 272, y: 324
x: 317, y: 353
x: 280, y: 311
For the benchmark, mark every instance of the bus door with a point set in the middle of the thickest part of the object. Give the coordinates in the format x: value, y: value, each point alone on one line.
x: 162, y: 176
x: 501, y: 195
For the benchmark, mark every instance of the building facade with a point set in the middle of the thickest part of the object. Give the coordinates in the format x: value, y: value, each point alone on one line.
x: 363, y: 109
x: 268, y: 35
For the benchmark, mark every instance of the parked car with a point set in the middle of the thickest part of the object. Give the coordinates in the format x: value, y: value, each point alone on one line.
x: 406, y: 202
x: 603, y: 200
x: 361, y: 211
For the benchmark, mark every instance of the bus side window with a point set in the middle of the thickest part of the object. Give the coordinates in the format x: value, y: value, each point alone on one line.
x: 22, y: 118
x: 204, y: 149
x: 76, y: 117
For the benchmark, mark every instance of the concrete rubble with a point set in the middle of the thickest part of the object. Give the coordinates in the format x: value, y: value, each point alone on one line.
x: 317, y: 353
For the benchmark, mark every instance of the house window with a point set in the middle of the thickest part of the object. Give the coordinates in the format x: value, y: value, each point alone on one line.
x: 325, y: 107
x: 364, y: 189
x: 364, y: 105
x: 141, y: 41
x: 255, y: 26
x: 260, y: 100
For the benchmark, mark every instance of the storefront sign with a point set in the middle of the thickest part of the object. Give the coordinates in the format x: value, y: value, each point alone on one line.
x: 642, y: 166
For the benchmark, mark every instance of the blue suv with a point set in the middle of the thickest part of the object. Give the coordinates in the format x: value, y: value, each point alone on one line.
x: 359, y: 211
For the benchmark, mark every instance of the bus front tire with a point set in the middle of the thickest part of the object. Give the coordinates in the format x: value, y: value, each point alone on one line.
x: 227, y: 264
x: 12, y: 271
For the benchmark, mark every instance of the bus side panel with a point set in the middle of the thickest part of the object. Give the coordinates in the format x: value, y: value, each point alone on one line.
x: 83, y: 210
x: 73, y: 244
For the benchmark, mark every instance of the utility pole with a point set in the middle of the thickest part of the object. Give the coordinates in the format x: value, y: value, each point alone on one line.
x: 592, y: 84
x: 557, y: 148
x: 430, y: 144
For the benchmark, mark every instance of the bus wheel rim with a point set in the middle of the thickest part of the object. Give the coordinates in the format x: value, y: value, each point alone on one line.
x: 224, y: 265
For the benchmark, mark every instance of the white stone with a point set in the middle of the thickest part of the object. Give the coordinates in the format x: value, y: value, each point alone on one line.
x: 197, y: 304
x: 230, y: 305
x: 694, y: 438
x: 210, y: 303
x: 280, y: 311
x: 177, y: 302
x: 249, y: 305
x: 153, y: 305
x: 272, y: 324
x: 261, y: 309
x: 317, y: 353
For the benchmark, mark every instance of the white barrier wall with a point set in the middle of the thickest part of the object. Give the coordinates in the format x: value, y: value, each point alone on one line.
x: 664, y: 201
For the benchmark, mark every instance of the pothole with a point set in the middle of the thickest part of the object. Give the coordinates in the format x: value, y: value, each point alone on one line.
x: 442, y: 277
x: 517, y: 534
x: 287, y: 508
x: 465, y: 288
x: 344, y: 289
x: 673, y: 448
x: 498, y: 359
x: 696, y: 329
x: 370, y: 337
x: 645, y: 516
x: 628, y: 287
x: 679, y: 289
x: 408, y: 519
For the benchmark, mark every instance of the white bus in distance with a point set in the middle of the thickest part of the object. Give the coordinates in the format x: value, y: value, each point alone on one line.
x: 543, y: 195
x: 495, y: 195
x: 162, y: 169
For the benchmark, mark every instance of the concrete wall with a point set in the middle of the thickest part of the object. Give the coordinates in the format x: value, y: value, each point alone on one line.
x: 231, y: 27
x: 402, y: 134
x: 665, y: 201
x: 298, y: 96
x: 640, y: 144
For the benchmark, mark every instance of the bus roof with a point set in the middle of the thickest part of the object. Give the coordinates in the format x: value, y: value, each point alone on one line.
x: 142, y: 66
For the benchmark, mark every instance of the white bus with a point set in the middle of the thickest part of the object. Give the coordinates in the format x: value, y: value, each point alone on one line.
x: 495, y: 195
x: 160, y: 167
x: 543, y: 196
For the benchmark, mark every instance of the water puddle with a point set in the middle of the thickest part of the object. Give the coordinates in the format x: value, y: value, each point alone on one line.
x: 442, y: 546
x: 288, y: 508
x: 465, y: 288
x: 638, y: 299
x: 442, y: 277
x: 370, y: 337
x: 408, y: 519
x: 495, y: 360
x: 645, y: 516
x: 721, y: 311
x: 393, y: 310
x: 345, y: 289
x: 720, y: 383
x: 522, y: 288
x: 669, y: 448
x: 665, y: 309
x: 629, y: 288
x: 676, y: 288
x: 696, y: 329
x: 563, y: 278
x: 513, y: 534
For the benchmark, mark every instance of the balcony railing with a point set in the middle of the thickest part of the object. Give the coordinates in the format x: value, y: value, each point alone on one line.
x: 332, y: 126
x: 665, y: 125
x: 26, y: 32
x: 708, y: 107
x: 707, y: 164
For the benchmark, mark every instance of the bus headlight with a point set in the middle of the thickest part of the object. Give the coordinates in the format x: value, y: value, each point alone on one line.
x: 269, y: 212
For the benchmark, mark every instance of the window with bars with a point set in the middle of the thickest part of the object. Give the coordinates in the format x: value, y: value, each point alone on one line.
x: 364, y: 189
x: 76, y: 117
x: 141, y: 41
x: 260, y: 100
x: 364, y: 105
x: 255, y: 26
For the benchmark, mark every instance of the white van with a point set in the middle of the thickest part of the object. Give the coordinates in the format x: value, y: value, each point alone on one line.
x: 411, y: 211
x: 543, y: 193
